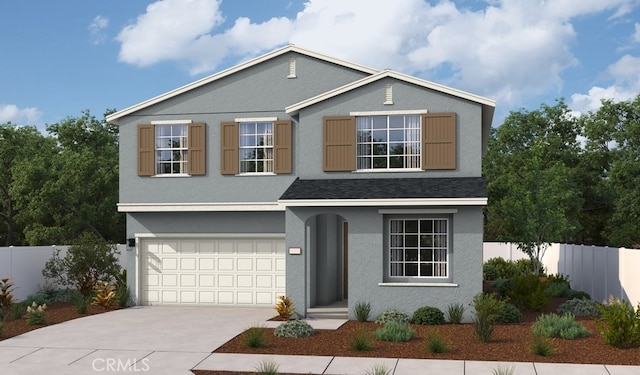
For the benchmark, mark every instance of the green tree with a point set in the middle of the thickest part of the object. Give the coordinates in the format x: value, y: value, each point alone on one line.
x: 18, y: 146
x: 79, y: 185
x: 529, y: 166
x: 88, y: 260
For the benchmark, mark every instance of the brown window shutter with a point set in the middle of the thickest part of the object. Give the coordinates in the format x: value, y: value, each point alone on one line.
x: 282, y: 147
x: 339, y: 144
x: 229, y: 148
x: 439, y: 141
x: 197, y: 153
x: 146, y: 150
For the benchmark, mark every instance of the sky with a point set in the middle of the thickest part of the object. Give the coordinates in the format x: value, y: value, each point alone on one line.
x: 60, y: 58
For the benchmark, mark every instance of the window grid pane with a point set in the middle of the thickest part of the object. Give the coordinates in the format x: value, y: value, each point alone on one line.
x: 256, y: 147
x: 171, y: 149
x: 388, y: 142
x: 418, y: 248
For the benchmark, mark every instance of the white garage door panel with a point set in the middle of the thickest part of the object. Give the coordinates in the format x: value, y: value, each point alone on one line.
x: 212, y: 271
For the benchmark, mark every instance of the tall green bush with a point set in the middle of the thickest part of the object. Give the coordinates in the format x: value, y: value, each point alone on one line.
x: 619, y: 324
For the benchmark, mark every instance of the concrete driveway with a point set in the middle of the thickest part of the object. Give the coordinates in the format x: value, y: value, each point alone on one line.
x: 153, y: 340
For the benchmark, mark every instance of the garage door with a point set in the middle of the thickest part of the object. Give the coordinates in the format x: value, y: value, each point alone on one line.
x: 224, y: 271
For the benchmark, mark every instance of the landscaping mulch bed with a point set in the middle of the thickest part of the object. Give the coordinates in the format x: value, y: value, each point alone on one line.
x: 57, y: 312
x: 509, y: 343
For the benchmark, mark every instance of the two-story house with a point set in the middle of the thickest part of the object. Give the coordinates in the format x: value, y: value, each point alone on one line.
x: 300, y: 174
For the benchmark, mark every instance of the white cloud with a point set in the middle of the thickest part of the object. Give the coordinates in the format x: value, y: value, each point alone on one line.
x: 96, y: 28
x: 625, y: 74
x: 21, y: 116
x: 510, y: 50
x: 636, y: 35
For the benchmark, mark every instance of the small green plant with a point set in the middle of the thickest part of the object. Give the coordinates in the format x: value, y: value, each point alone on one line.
x: 579, y: 307
x: 619, y: 324
x: 294, y: 328
x: 378, y: 369
x: 1, y: 326
x: 123, y: 293
x: 487, y: 310
x: 428, y: 315
x: 559, y: 326
x: 254, y: 337
x: 435, y: 342
x: 52, y: 293
x: 504, y: 370
x: 17, y: 310
x: 509, y: 314
x: 6, y: 294
x: 392, y: 316
x: 395, y: 332
x: 363, y: 309
x: 577, y: 294
x: 542, y: 345
x: 80, y: 302
x: 105, y: 295
x: 361, y: 340
x: 267, y: 367
x: 455, y: 313
x: 285, y: 308
x: 529, y: 291
x: 36, y: 314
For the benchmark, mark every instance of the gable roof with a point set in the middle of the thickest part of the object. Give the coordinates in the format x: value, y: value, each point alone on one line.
x: 367, y: 191
x: 234, y: 69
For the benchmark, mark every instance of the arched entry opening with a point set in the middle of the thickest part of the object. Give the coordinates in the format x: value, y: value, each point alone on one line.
x: 327, y: 241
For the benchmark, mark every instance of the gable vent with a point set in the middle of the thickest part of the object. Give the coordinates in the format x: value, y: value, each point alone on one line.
x: 388, y: 94
x: 292, y: 68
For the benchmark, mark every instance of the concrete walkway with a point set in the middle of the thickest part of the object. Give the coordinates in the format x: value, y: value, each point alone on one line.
x: 173, y: 340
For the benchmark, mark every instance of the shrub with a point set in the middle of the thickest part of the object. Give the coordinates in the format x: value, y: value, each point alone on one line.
x: 6, y: 295
x: 363, y: 309
x: 1, y: 326
x: 88, y: 260
x: 579, y: 307
x: 498, y: 268
x: 80, y: 302
x: 105, y: 295
x: 542, y: 346
x: 435, y: 342
x: 17, y: 310
x: 395, y: 332
x: 294, y: 328
x: 509, y: 314
x: 528, y: 266
x: 267, y: 367
x: 529, y: 292
x: 36, y: 314
x: 428, y: 315
x: 487, y: 310
x: 360, y: 340
x: 502, y: 286
x: 455, y: 313
x: 559, y: 326
x: 38, y: 298
x: 577, y: 294
x: 504, y: 370
x: 123, y: 293
x: 379, y: 369
x: 285, y: 307
x: 392, y: 316
x: 52, y: 293
x: 619, y: 324
x: 254, y: 337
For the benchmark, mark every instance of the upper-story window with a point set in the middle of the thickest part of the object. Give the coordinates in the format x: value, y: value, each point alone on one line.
x: 171, y: 149
x: 388, y: 142
x: 256, y: 147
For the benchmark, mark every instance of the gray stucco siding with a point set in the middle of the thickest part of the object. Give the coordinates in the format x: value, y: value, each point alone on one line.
x: 406, y: 96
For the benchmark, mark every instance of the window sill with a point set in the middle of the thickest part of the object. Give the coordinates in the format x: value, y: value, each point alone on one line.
x: 175, y: 175
x: 430, y: 285
x: 256, y: 174
x: 388, y: 170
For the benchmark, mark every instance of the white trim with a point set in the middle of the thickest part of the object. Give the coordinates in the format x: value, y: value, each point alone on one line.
x: 418, y: 211
x: 447, y: 285
x: 209, y: 235
x: 171, y: 122
x: 200, y: 207
x: 170, y: 175
x: 294, y: 108
x: 388, y: 170
x: 234, y: 69
x: 390, y: 113
x: 256, y: 119
x: 383, y: 202
x: 292, y: 68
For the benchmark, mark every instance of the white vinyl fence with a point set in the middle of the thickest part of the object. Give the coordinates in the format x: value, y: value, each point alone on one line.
x: 24, y: 264
x: 599, y: 271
